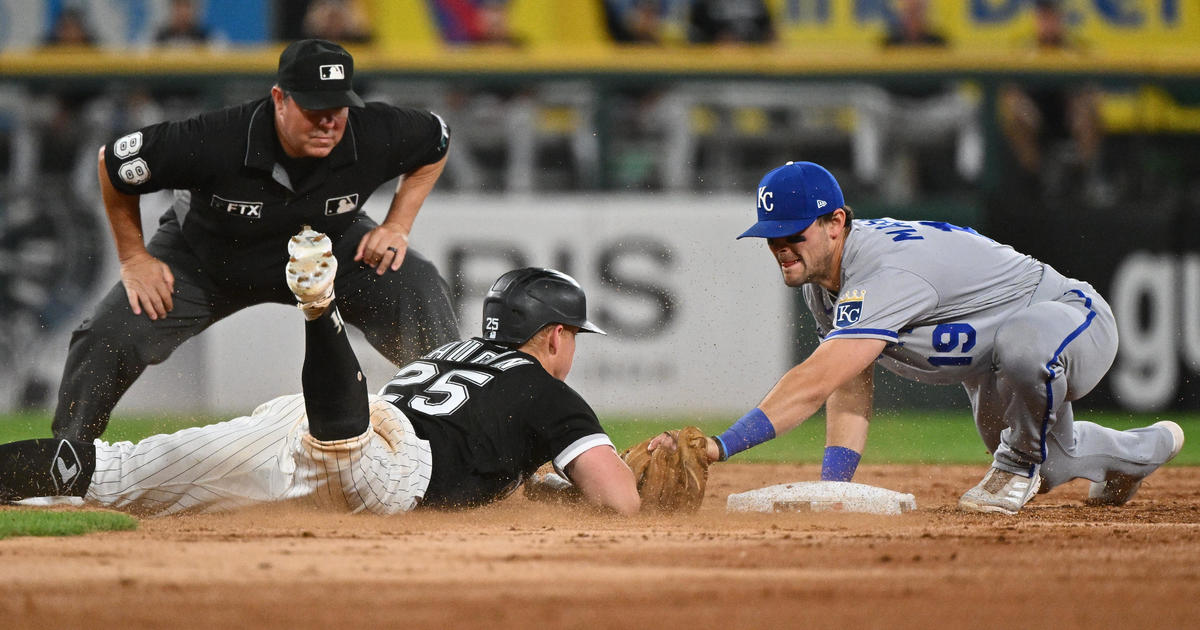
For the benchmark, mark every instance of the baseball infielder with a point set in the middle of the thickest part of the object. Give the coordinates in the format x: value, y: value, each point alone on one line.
x: 937, y: 303
x: 462, y: 426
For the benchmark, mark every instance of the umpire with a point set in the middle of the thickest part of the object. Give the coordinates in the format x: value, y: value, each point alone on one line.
x: 245, y: 179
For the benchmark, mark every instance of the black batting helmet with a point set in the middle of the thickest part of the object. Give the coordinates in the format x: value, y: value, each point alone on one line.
x: 522, y: 301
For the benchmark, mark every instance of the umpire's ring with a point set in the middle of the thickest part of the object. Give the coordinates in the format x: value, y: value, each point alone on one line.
x: 393, y: 249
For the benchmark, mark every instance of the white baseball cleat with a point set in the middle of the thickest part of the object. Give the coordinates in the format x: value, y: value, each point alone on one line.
x: 310, y: 271
x: 1000, y: 491
x: 1118, y: 488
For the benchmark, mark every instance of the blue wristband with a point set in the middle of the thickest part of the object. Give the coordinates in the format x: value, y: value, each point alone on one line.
x: 839, y: 464
x: 723, y: 454
x: 750, y: 430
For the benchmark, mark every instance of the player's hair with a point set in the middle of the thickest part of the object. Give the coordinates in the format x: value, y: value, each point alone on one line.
x: 542, y: 333
x: 828, y: 217
x: 537, y: 336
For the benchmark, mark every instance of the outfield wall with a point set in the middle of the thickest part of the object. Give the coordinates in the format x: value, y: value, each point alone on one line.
x: 698, y: 322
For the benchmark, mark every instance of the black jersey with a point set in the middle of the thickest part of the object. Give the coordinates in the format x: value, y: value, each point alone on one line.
x: 237, y: 201
x: 492, y: 416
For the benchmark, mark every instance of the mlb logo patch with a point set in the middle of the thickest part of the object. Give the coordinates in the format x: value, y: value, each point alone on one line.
x: 341, y: 205
x: 333, y: 72
x: 849, y: 309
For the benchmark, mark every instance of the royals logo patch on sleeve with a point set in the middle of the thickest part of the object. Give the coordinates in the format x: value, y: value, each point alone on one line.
x: 849, y: 309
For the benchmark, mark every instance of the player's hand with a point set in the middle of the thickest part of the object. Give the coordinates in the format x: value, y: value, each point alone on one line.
x: 667, y: 440
x: 383, y: 248
x: 148, y: 285
x: 663, y: 440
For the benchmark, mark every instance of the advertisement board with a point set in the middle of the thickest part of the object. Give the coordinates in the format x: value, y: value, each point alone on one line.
x: 1102, y: 25
x: 698, y: 322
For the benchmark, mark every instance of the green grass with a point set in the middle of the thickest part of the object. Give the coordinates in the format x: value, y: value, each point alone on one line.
x: 61, y: 523
x: 23, y: 426
x: 908, y: 437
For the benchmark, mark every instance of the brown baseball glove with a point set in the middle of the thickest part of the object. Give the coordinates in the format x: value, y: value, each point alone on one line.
x: 671, y: 480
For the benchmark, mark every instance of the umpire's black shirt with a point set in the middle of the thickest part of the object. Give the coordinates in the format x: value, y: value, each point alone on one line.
x: 236, y: 203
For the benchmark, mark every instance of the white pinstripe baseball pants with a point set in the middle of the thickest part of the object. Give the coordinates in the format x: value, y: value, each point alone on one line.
x: 267, y: 456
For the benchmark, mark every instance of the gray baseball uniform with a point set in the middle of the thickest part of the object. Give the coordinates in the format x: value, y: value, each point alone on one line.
x: 957, y: 307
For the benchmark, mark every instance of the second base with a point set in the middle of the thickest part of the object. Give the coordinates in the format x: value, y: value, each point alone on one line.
x: 822, y: 496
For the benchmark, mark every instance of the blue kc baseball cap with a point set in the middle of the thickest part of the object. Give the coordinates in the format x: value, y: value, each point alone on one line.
x: 791, y: 197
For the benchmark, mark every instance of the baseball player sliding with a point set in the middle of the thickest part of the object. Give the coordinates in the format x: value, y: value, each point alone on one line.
x: 937, y: 303
x: 461, y: 426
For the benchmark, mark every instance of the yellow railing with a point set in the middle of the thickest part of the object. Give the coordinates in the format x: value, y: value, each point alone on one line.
x: 768, y: 61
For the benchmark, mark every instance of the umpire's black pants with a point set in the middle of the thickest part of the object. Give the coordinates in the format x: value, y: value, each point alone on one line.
x: 401, y: 313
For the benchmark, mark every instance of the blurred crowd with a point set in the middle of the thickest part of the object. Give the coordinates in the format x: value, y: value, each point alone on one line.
x: 916, y: 135
x: 197, y: 22
x: 907, y: 137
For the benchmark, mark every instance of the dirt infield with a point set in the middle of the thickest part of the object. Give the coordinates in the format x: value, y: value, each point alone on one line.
x: 521, y: 565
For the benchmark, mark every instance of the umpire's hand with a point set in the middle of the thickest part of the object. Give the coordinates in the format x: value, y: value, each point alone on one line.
x: 383, y: 248
x: 148, y: 285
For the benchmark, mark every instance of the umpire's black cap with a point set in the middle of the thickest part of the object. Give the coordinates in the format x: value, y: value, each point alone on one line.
x: 522, y: 301
x: 318, y: 74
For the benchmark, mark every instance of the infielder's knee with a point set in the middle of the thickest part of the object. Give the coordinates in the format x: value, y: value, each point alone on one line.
x: 1022, y: 352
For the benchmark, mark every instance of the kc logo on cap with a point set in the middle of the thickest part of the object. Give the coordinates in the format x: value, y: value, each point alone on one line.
x: 791, y: 197
x: 764, y: 197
